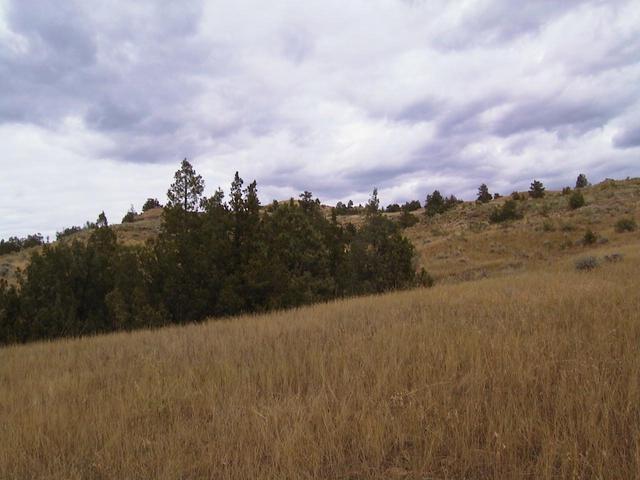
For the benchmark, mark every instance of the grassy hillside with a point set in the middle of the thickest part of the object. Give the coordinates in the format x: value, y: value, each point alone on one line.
x: 461, y: 244
x: 532, y: 375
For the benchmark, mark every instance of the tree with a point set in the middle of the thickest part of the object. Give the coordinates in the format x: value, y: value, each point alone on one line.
x: 102, y: 221
x: 508, y: 211
x: 186, y: 190
x: 392, y: 208
x: 373, y: 205
x: 150, y: 204
x: 582, y: 181
x: 536, y: 190
x: 483, y: 194
x: 434, y: 204
x: 130, y: 215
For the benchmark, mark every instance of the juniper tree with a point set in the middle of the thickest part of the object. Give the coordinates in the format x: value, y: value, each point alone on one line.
x: 483, y: 194
x: 537, y: 189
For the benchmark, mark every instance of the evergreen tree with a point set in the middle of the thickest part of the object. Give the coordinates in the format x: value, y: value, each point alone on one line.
x: 150, y: 204
x: 434, y: 204
x: 537, y: 189
x: 483, y: 194
x: 186, y: 190
x: 582, y: 181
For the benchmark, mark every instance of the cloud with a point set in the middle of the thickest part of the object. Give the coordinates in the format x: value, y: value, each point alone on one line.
x: 328, y: 96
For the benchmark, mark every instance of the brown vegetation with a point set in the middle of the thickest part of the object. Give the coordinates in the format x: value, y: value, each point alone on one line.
x: 534, y: 375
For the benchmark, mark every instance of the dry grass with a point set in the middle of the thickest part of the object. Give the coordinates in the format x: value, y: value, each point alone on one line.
x: 536, y: 375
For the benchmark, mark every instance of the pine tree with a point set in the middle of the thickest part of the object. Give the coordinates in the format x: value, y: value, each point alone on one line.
x: 186, y: 191
x: 483, y: 194
x: 536, y: 190
x: 582, y: 181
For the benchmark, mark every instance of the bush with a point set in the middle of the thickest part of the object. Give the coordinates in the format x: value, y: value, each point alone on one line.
x: 626, y: 225
x: 424, y: 279
x: 517, y: 196
x: 613, y: 258
x: 547, y: 226
x: 590, y: 237
x: 586, y: 263
x: 566, y: 190
x: 406, y: 219
x: 508, y: 211
x: 412, y: 205
x: 576, y: 200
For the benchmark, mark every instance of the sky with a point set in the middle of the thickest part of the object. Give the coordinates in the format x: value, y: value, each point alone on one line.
x: 101, y: 100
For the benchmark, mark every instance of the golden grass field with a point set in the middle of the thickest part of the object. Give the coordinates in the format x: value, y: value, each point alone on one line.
x: 530, y: 375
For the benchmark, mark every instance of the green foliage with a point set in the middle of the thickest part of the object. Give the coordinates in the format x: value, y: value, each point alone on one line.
x: 393, y: 208
x: 150, y: 204
x: 186, y: 190
x: 412, y: 205
x: 626, y: 225
x: 566, y: 190
x: 576, y: 200
x: 130, y: 216
x: 407, y: 219
x: 15, y: 244
x: 536, y: 190
x: 436, y: 204
x: 582, y: 181
x: 508, y: 211
x: 67, y: 232
x: 517, y: 196
x: 483, y: 194
x: 228, y: 259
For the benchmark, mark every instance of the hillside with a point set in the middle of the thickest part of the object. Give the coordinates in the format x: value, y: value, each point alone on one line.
x: 462, y: 244
x: 534, y: 375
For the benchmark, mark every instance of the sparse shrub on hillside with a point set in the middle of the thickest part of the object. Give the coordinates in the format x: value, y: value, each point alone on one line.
x: 436, y: 204
x: 626, y: 225
x: 586, y: 263
x: 517, y: 196
x: 150, y: 204
x: 581, y: 181
x: 576, y: 200
x: 407, y: 219
x: 508, y: 211
x: 566, y: 190
x: 613, y: 258
x: 548, y: 226
x: 130, y: 215
x: 483, y: 194
x: 537, y: 189
x: 496, y: 196
x: 567, y: 227
x: 589, y: 237
x: 424, y: 279
x: 545, y: 209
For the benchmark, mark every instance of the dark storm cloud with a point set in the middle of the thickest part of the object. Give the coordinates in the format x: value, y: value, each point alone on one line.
x: 629, y: 138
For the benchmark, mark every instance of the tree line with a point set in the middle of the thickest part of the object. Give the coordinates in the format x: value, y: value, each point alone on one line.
x: 215, y: 256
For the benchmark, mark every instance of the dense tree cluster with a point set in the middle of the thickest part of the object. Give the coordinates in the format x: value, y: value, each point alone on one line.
x: 435, y: 203
x: 15, y: 244
x: 212, y: 258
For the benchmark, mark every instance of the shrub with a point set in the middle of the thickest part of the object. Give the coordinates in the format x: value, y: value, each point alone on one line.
x: 613, y: 258
x: 586, y: 263
x: 130, y: 215
x: 412, y: 205
x: 590, y: 237
x: 508, y: 211
x: 566, y: 190
x: 576, y: 200
x: 547, y: 226
x: 626, y: 225
x: 406, y: 219
x: 424, y: 279
x: 517, y: 196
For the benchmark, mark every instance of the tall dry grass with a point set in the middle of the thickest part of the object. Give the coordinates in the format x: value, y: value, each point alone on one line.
x: 531, y: 376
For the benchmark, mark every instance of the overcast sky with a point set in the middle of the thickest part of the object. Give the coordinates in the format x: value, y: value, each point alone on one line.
x: 100, y: 100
